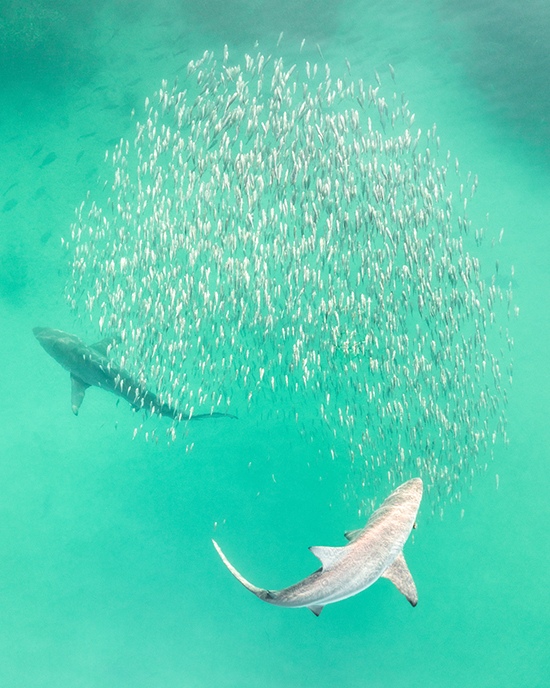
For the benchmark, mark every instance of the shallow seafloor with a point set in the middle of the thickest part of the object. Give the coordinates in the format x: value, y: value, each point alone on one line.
x: 107, y: 574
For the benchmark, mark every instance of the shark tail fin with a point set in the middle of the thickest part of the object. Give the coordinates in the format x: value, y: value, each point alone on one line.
x: 400, y: 576
x: 259, y: 592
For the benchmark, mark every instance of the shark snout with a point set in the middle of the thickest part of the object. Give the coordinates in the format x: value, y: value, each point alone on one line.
x: 47, y: 334
x: 42, y: 333
x: 48, y: 339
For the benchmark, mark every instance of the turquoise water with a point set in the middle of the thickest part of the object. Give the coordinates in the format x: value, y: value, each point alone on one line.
x: 108, y: 576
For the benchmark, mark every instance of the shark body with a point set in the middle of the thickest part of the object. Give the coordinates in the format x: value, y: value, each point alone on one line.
x: 373, y: 552
x: 90, y: 366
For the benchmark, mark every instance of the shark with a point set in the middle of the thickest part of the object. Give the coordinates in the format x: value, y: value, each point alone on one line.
x: 373, y: 552
x: 90, y: 366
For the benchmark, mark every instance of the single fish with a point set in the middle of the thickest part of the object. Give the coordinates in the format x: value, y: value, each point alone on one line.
x: 37, y: 151
x: 41, y: 191
x: 48, y: 160
x: 90, y: 366
x: 10, y: 187
x: 9, y: 205
x: 375, y: 551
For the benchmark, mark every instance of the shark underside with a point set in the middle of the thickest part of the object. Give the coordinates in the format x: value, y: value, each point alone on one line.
x: 373, y: 552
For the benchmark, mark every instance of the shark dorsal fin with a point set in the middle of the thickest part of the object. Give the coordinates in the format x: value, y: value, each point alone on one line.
x: 78, y: 389
x: 352, y: 535
x: 102, y: 346
x: 328, y: 556
x: 400, y: 576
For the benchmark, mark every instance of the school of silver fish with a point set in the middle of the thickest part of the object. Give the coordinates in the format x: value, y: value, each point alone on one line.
x: 284, y: 237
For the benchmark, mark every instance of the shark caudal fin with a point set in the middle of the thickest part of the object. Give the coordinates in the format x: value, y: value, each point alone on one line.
x: 400, y: 576
x: 259, y: 592
x: 206, y: 416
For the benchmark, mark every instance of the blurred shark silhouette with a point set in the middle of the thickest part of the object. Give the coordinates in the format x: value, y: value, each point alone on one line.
x: 90, y: 366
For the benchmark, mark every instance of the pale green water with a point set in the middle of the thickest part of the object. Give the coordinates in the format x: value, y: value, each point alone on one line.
x: 107, y: 574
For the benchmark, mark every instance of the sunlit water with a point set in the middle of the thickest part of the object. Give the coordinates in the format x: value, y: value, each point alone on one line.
x: 107, y: 575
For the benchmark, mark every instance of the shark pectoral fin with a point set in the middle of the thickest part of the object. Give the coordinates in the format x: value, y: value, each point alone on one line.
x: 352, y: 535
x: 78, y: 389
x: 328, y: 556
x: 400, y: 576
x: 316, y: 608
